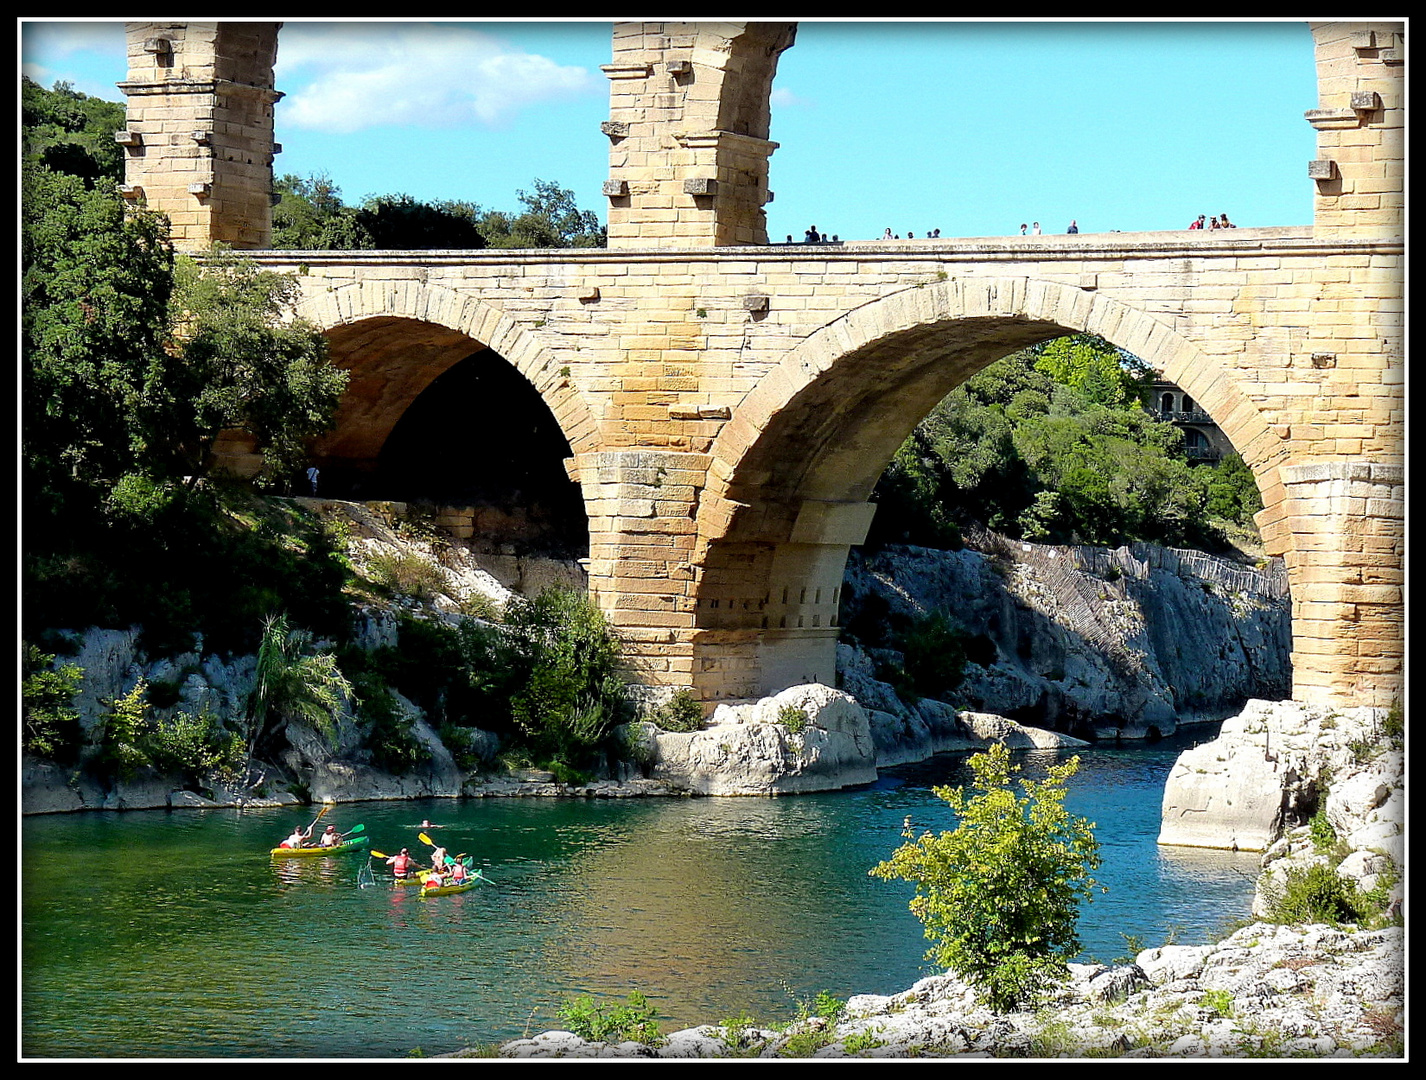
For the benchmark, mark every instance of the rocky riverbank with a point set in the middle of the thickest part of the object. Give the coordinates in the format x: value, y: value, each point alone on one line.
x: 1265, y: 991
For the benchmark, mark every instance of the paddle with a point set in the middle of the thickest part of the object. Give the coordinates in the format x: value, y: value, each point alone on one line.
x: 355, y: 829
x: 320, y: 815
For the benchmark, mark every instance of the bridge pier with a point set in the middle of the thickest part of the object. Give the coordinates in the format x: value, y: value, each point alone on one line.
x: 1346, y: 567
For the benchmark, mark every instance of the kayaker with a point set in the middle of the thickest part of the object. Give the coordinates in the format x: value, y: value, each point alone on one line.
x: 438, y: 859
x: 458, y: 874
x: 330, y: 838
x: 298, y: 838
x: 402, y: 864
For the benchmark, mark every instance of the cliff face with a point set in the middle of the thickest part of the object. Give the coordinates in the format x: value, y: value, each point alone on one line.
x: 1088, y: 641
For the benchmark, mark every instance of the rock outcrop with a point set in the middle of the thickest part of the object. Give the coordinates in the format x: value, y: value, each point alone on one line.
x: 1123, y: 643
x: 814, y: 738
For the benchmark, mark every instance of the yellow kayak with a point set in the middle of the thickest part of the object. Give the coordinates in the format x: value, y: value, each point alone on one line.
x: 356, y: 843
x: 448, y: 890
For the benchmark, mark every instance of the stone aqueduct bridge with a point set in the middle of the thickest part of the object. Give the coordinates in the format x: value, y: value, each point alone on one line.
x: 730, y: 404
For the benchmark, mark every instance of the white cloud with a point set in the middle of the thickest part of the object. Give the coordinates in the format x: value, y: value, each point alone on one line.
x: 786, y: 99
x: 344, y: 77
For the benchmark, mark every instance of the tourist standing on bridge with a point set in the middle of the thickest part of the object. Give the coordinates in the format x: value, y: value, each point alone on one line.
x: 1074, y: 228
x: 813, y: 236
x: 1023, y: 227
x: 1035, y: 229
x: 1226, y: 224
x: 1199, y: 223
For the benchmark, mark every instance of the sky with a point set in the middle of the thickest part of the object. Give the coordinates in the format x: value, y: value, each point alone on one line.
x: 970, y: 127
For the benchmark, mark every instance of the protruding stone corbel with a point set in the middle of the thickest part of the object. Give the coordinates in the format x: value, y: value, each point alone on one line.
x: 700, y: 185
x: 202, y: 189
x: 1365, y: 101
x: 131, y: 191
x: 616, y: 189
x: 587, y: 294
x: 158, y: 46
x: 128, y: 138
x: 202, y: 138
x: 627, y: 71
x: 615, y: 129
x: 1322, y: 169
x: 1324, y: 360
x: 755, y: 302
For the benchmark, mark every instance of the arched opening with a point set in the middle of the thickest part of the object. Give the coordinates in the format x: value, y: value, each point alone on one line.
x: 819, y: 434
x: 431, y: 415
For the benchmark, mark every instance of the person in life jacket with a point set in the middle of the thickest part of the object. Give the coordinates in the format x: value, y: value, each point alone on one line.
x: 401, y: 864
x: 458, y: 874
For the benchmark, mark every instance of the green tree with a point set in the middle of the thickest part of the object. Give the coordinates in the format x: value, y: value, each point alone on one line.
x: 999, y: 894
x: 292, y: 682
x: 95, y: 289
x: 69, y: 132
x: 310, y: 215
x: 402, y: 223
x: 51, y: 726
x: 1103, y: 373
x: 562, y: 665
x: 551, y: 219
x: 240, y: 361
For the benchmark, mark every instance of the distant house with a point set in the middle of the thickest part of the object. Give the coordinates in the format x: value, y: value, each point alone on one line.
x: 1203, y: 440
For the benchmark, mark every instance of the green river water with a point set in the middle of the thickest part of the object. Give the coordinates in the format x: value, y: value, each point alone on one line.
x: 173, y: 935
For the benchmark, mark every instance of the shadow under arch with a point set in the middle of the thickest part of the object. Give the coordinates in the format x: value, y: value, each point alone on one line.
x: 404, y: 343
x: 793, y: 467
x: 437, y: 327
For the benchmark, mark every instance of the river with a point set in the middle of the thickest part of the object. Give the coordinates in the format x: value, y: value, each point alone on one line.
x: 172, y: 934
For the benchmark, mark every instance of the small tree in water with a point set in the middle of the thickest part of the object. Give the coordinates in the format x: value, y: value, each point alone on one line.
x: 999, y: 894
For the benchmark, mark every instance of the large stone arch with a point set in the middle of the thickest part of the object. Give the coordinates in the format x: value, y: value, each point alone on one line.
x: 397, y: 337
x: 790, y: 473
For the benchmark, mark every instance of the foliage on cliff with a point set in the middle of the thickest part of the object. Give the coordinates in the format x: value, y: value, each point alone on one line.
x: 1050, y: 444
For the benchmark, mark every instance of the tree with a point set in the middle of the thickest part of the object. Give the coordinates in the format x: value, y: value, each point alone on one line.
x: 292, y: 682
x: 95, y: 290
x: 999, y: 894
x: 551, y: 219
x: 239, y: 360
x: 69, y: 132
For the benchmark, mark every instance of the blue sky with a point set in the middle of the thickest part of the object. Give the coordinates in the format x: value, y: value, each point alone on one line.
x: 969, y: 127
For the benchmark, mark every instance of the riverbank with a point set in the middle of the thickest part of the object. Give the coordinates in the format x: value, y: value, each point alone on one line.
x: 1265, y: 991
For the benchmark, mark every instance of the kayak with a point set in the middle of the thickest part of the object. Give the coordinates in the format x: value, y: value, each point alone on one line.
x: 448, y: 890
x: 356, y: 843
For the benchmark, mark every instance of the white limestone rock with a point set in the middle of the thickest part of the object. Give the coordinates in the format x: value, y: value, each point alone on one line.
x: 749, y: 750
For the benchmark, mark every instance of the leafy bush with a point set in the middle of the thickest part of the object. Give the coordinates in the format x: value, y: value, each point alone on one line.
x: 635, y: 1020
x: 935, y: 655
x: 51, y: 723
x: 123, y: 735
x: 999, y: 894
x: 194, y: 747
x: 563, y: 660
x: 1315, y: 894
x: 792, y: 718
x: 681, y: 712
x: 386, y: 728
